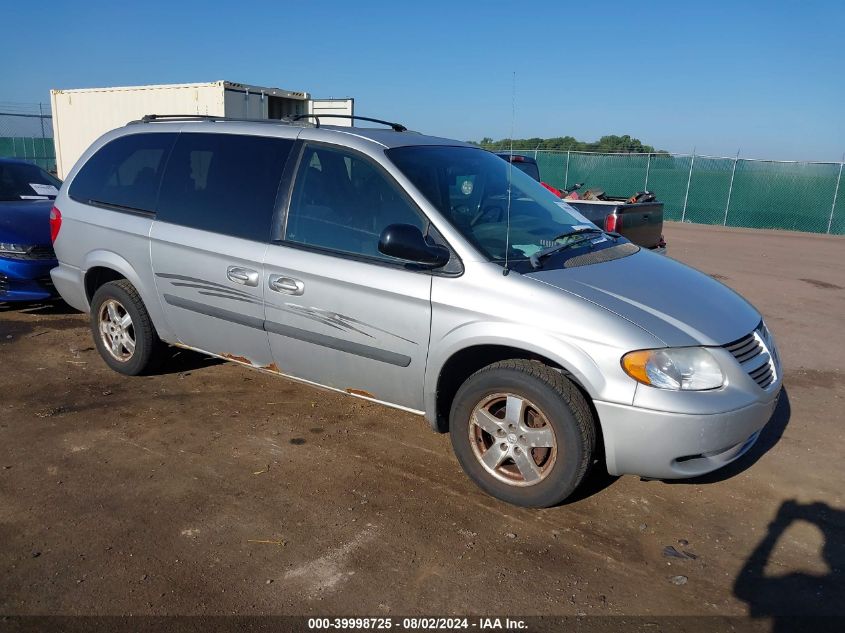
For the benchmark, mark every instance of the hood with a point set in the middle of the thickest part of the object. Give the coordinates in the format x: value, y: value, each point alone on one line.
x: 677, y: 304
x: 26, y: 222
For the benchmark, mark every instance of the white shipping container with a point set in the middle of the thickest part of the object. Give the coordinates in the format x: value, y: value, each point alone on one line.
x: 81, y: 116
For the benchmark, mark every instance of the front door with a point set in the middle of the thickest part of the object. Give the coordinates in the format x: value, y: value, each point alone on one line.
x: 338, y: 312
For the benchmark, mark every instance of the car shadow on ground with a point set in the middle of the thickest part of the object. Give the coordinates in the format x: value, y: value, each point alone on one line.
x: 56, y: 307
x: 769, y: 437
x: 597, y: 480
x: 178, y: 360
x: 791, y: 598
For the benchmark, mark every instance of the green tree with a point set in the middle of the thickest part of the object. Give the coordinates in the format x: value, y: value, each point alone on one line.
x: 608, y: 143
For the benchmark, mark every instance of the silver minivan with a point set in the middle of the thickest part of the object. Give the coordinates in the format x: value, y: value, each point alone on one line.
x: 421, y: 273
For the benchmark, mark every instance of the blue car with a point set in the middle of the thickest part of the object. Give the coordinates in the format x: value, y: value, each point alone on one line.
x: 26, y: 250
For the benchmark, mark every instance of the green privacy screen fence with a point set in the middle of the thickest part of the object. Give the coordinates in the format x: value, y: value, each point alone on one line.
x: 36, y: 150
x: 26, y: 131
x: 708, y: 190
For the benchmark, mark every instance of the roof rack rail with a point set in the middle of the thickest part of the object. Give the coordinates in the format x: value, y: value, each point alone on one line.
x: 152, y: 118
x: 397, y: 127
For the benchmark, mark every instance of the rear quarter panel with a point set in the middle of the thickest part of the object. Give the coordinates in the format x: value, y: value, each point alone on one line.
x: 93, y: 236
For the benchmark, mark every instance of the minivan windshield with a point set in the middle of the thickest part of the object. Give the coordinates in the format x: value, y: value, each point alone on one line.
x: 469, y: 186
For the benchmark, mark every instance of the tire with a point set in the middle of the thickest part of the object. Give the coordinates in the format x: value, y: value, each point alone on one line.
x: 120, y: 298
x: 547, y: 409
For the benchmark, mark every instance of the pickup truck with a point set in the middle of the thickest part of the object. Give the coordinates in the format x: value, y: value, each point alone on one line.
x: 640, y: 222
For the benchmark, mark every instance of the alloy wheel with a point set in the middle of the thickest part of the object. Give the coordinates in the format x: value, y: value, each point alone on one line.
x: 116, y: 330
x: 512, y: 439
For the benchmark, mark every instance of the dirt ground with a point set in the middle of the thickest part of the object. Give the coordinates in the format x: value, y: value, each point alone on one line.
x: 214, y: 489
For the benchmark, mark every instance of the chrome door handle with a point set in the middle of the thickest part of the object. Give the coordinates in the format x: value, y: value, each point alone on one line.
x: 286, y: 285
x: 243, y: 276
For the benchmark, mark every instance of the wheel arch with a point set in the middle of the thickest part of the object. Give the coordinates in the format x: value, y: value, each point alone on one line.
x: 103, y: 266
x: 461, y: 363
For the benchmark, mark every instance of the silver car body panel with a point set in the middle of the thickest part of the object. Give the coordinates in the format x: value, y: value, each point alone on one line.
x: 198, y: 298
x: 356, y: 326
x: 385, y: 333
x: 681, y: 306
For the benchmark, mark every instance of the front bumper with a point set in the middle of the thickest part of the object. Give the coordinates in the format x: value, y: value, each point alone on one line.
x: 22, y: 280
x: 663, y: 445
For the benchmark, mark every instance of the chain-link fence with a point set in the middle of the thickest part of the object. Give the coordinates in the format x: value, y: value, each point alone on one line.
x: 26, y: 131
x: 801, y: 196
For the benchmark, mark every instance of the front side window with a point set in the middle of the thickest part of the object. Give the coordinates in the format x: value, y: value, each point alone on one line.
x: 125, y: 172
x: 342, y: 202
x: 469, y: 186
x: 223, y: 183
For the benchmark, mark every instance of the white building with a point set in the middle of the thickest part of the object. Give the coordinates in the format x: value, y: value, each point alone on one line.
x: 81, y: 116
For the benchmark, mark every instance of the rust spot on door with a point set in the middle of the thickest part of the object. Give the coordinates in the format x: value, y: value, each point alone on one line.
x: 273, y: 367
x: 360, y: 392
x: 237, y: 359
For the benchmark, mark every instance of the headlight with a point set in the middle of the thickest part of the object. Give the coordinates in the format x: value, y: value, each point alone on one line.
x: 13, y: 249
x: 686, y: 368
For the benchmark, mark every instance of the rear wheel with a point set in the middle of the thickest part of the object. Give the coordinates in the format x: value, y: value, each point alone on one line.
x: 123, y: 331
x: 523, y: 432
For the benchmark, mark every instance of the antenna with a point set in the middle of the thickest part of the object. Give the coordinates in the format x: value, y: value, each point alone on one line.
x: 510, y: 172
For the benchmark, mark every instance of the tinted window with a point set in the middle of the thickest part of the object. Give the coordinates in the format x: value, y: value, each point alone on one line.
x: 24, y: 181
x: 341, y: 201
x: 223, y: 183
x: 125, y: 172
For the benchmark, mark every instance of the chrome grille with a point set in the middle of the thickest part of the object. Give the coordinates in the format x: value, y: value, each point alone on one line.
x: 745, y: 348
x: 757, y: 355
x: 4, y: 284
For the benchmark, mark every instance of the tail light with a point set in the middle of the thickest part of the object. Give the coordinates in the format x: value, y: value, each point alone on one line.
x: 613, y: 223
x: 55, y: 223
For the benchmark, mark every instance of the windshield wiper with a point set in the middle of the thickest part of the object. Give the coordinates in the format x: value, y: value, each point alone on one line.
x: 536, y: 258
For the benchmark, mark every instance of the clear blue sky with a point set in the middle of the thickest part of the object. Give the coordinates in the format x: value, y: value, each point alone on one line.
x: 767, y: 78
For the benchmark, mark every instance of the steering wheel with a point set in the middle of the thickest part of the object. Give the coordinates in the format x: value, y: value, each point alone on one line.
x: 460, y: 212
x: 486, y: 211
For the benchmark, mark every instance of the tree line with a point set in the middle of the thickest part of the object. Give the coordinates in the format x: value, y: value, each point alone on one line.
x: 609, y: 143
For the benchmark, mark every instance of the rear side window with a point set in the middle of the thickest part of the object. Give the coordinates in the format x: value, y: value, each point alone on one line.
x: 223, y: 183
x: 125, y: 172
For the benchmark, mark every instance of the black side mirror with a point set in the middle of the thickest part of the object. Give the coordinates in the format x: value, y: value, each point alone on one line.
x: 405, y: 241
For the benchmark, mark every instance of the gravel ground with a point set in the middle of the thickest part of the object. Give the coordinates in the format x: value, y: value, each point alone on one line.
x: 214, y: 489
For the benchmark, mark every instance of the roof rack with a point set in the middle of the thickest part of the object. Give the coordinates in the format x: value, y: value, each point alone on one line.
x: 397, y: 127
x: 152, y: 118
x: 295, y: 119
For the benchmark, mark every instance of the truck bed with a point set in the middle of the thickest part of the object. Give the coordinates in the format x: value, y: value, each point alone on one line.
x: 640, y: 222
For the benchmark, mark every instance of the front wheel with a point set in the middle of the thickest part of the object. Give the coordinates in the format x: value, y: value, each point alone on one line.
x: 523, y: 432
